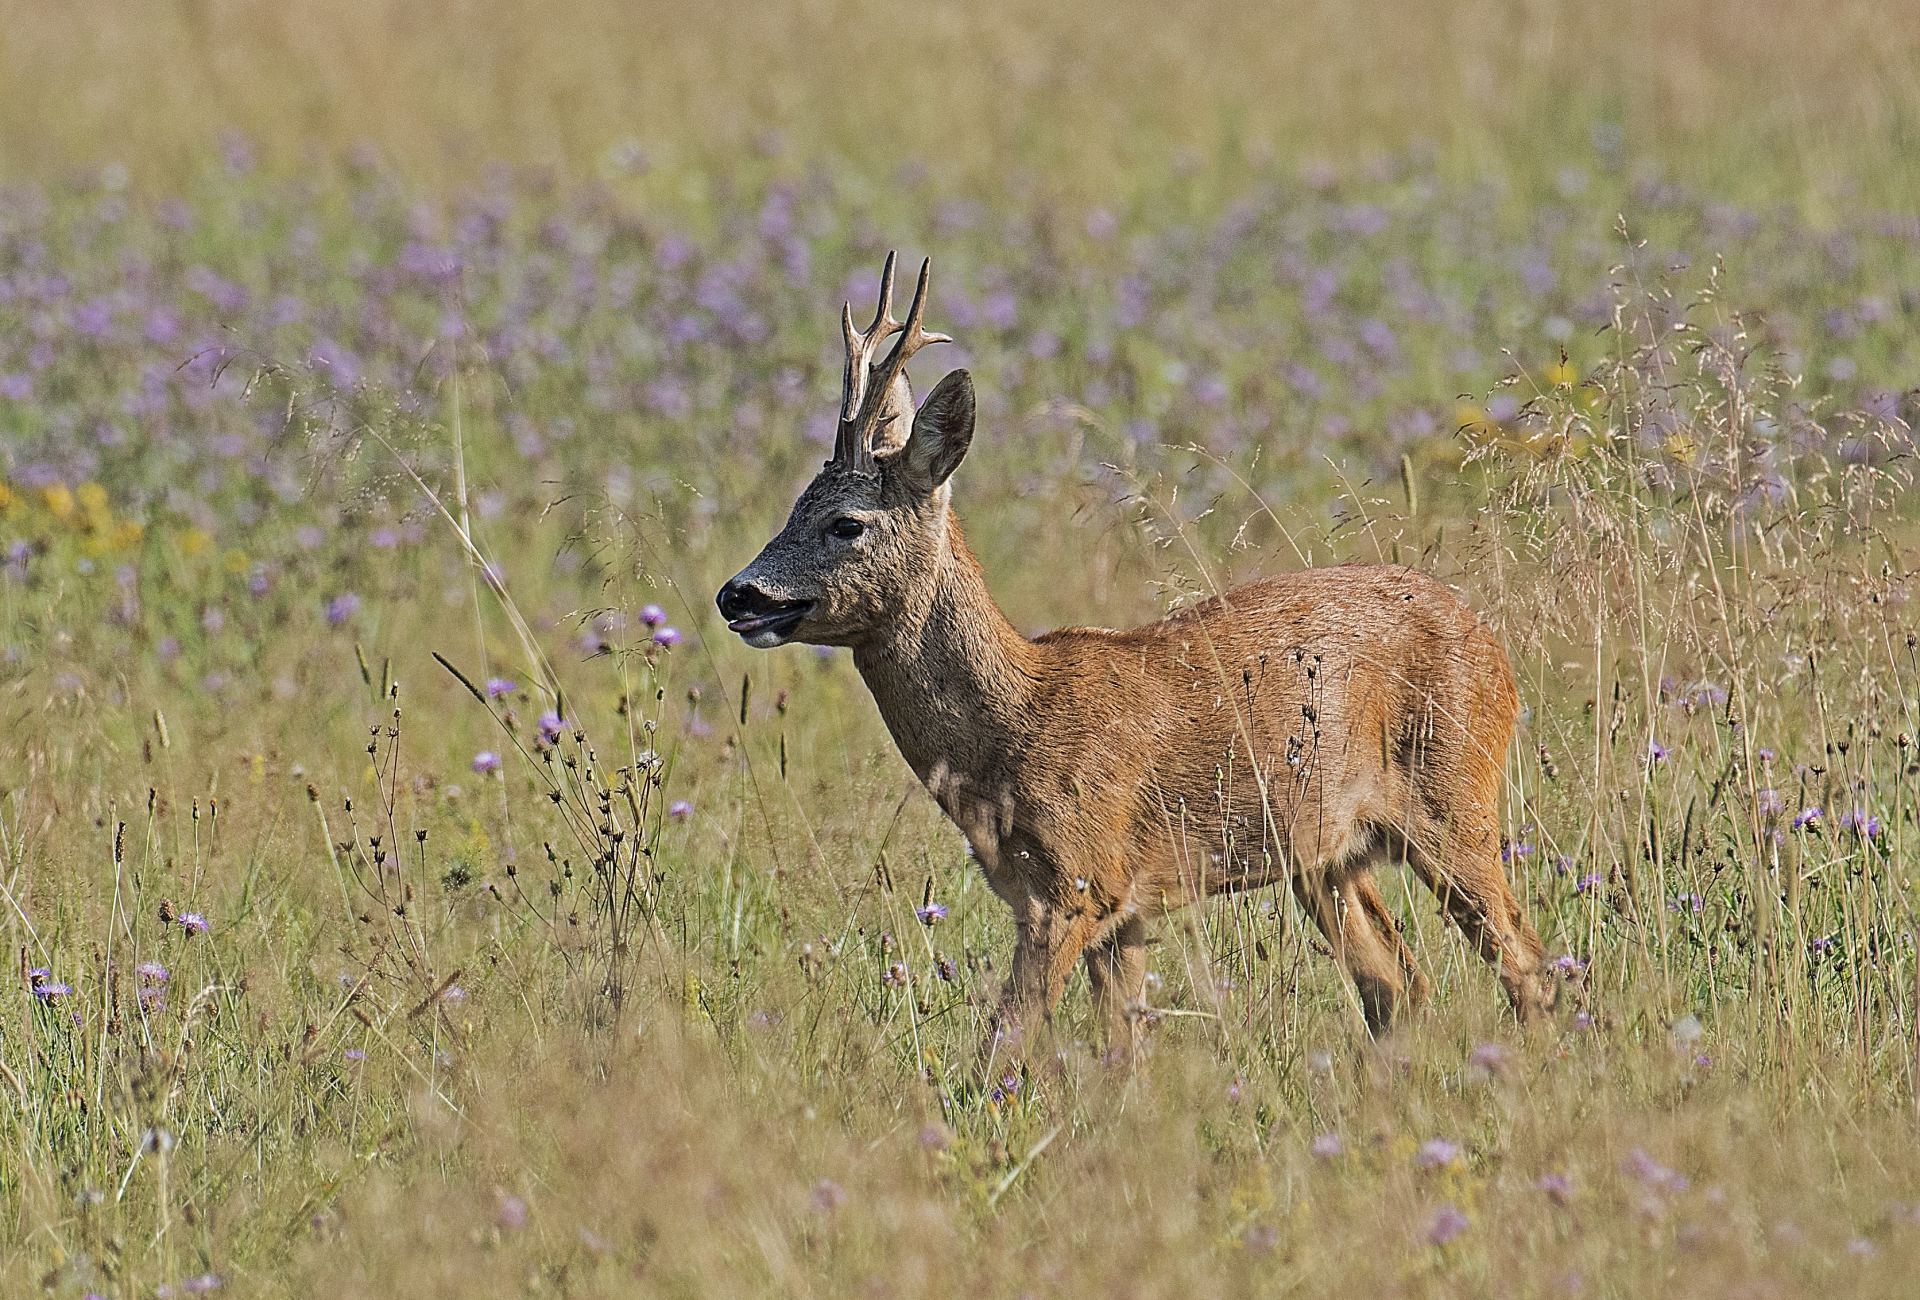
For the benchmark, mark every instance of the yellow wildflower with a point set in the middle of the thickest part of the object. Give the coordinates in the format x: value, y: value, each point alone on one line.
x: 196, y: 541
x: 59, y: 500
x: 93, y: 502
x: 235, y: 561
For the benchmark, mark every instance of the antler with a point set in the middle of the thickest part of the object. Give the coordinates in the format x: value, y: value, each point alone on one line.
x: 860, y: 350
x: 861, y: 399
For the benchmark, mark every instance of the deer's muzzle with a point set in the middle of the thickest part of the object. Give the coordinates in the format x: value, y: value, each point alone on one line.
x: 762, y: 621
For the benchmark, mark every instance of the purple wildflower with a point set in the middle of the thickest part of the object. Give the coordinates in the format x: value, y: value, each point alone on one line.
x: 827, y: 1196
x: 498, y: 686
x: 486, y: 762
x: 1861, y: 823
x: 652, y: 615
x: 667, y: 636
x: 151, y: 972
x: 1437, y: 1153
x: 551, y: 726
x: 1652, y: 1174
x: 1686, y: 903
x: 1326, y: 1146
x: 1448, y: 1223
x: 192, y: 922
x: 1566, y: 961
x: 931, y: 912
x: 1807, y: 817
x: 679, y: 810
x: 1657, y: 752
x: 1557, y: 1186
x: 1512, y: 852
x: 38, y: 975
x: 355, y: 1054
x: 1487, y: 1056
x: 513, y: 1213
x: 1592, y: 882
x: 341, y: 608
x: 48, y: 990
x: 1769, y: 803
x: 1766, y: 755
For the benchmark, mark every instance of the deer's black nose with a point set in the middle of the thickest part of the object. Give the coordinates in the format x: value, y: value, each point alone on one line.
x: 738, y: 600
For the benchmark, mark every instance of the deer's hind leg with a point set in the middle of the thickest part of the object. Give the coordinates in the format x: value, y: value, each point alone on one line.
x: 1460, y: 863
x: 1366, y: 889
x: 1347, y: 907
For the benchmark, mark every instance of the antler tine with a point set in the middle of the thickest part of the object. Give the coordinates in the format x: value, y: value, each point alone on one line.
x: 853, y: 384
x: 912, y: 339
x: 884, y: 312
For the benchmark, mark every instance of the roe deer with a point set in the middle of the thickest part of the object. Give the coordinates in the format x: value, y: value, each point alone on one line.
x: 1305, y: 728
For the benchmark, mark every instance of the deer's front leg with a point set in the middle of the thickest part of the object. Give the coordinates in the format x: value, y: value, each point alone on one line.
x: 1117, y: 974
x: 1049, y: 940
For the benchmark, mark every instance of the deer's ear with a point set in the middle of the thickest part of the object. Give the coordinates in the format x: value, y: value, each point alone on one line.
x: 942, y: 431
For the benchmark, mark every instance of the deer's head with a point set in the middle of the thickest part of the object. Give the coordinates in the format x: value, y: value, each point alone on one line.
x: 863, y: 541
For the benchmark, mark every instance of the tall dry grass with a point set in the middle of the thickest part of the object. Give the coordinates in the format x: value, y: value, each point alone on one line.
x: 736, y: 1063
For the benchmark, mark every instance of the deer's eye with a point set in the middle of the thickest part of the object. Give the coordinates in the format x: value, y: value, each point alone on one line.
x: 846, y: 529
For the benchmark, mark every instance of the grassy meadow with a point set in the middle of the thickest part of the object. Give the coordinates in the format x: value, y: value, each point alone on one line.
x: 413, y: 888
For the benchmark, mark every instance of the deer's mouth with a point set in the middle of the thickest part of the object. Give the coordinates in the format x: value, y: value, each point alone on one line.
x: 772, y: 625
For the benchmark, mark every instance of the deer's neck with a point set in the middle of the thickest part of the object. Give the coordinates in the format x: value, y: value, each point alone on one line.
x: 953, y: 680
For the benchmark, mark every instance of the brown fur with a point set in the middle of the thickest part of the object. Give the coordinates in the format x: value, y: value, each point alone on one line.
x: 1305, y: 728
x: 1120, y: 759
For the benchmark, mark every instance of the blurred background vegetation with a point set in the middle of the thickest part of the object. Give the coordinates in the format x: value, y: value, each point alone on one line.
x: 1799, y: 101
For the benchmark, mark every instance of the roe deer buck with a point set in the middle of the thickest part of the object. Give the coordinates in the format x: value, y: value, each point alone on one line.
x: 1305, y: 728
